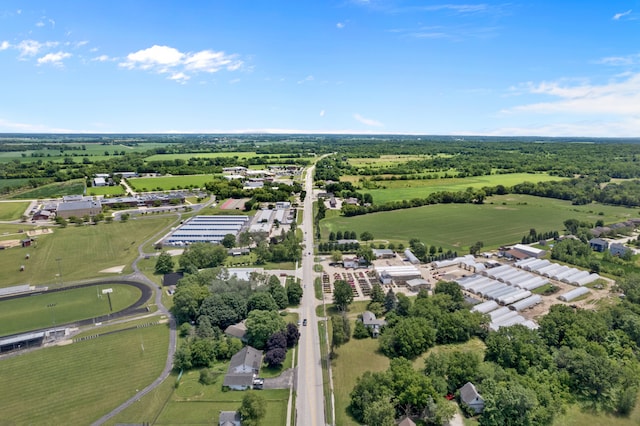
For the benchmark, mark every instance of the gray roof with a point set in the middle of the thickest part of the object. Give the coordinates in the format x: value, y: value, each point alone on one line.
x: 247, y: 356
x: 468, y: 393
x: 238, y: 330
x: 228, y: 418
x: 369, y: 318
x: 78, y: 205
x: 238, y: 379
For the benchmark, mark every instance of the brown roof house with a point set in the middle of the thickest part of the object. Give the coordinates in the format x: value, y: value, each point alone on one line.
x: 244, y: 366
x: 470, y: 396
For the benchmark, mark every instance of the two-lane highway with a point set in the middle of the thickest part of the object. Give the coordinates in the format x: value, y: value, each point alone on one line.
x: 310, y: 398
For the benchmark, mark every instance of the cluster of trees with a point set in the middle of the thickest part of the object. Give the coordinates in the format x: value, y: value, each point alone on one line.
x: 212, y: 301
x: 427, y: 253
x: 534, y: 237
x: 283, y: 248
x: 329, y: 247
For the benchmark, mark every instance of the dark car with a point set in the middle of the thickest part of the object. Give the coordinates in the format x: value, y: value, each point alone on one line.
x: 304, y: 321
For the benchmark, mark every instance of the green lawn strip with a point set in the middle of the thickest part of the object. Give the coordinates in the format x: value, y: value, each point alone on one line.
x: 78, y: 383
x: 83, y: 251
x: 12, y: 210
x: 165, y: 157
x: 108, y: 328
x: 53, y: 190
x: 501, y: 220
x: 575, y: 416
x: 106, y: 190
x: 61, y: 307
x: 149, y: 407
x: 165, y: 183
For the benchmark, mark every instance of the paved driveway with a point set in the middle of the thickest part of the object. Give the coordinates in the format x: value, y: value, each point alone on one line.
x: 283, y: 381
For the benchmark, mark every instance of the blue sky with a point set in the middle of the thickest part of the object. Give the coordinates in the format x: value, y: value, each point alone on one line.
x: 552, y: 68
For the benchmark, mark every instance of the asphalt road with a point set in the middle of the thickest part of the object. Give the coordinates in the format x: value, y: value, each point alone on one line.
x: 310, y: 397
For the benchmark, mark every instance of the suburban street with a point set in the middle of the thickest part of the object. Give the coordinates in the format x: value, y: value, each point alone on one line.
x: 310, y: 399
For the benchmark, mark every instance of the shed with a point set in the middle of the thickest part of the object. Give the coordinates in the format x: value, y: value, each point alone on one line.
x: 470, y: 396
x: 418, y: 283
x: 485, y: 307
x: 573, y: 294
x: 527, y: 303
x: 229, y: 418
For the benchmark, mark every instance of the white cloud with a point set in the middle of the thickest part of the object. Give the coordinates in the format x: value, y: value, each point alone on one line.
x: 39, y: 24
x: 460, y: 8
x: 619, y: 97
x: 165, y: 59
x: 33, y: 47
x: 4, y: 45
x: 101, y: 58
x: 620, y: 60
x: 306, y: 79
x: 617, y: 16
x: 367, y: 121
x: 54, y: 58
x: 321, y: 113
x: 340, y: 25
x: 11, y: 126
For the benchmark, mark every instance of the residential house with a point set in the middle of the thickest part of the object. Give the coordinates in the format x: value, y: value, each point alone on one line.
x: 470, y: 396
x: 617, y: 249
x: 598, y: 244
x: 244, y: 366
x: 406, y: 422
x: 238, y: 330
x: 372, y: 323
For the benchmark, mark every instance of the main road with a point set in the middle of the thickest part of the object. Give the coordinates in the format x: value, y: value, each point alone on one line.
x: 310, y: 397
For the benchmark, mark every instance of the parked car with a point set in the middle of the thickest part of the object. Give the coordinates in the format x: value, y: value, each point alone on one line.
x: 304, y: 321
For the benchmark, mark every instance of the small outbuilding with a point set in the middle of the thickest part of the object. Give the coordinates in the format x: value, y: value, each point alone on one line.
x: 470, y: 396
x: 229, y: 418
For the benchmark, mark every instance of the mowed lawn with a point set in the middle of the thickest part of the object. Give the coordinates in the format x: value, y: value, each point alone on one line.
x: 501, y: 220
x: 53, y: 190
x: 76, y: 384
x: 187, y: 156
x: 12, y: 210
x: 83, y: 251
x: 105, y: 190
x: 398, y: 190
x: 165, y: 183
x: 61, y: 307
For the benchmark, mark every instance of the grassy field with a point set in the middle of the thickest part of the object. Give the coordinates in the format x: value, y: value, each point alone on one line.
x: 43, y: 310
x: 12, y: 210
x: 575, y: 416
x: 187, y: 156
x: 105, y: 190
x: 93, y: 151
x: 83, y: 251
x: 53, y: 190
x: 501, y: 220
x: 13, y: 183
x: 165, y: 183
x: 397, y: 190
x: 79, y: 383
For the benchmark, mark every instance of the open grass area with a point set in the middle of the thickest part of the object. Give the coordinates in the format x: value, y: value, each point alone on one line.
x: 397, y: 190
x: 106, y: 190
x: 92, y: 151
x: 187, y: 156
x: 575, y: 416
x: 83, y: 251
x: 500, y: 220
x: 53, y: 190
x: 12, y: 210
x: 165, y: 183
x: 194, y: 403
x: 13, y: 183
x: 61, y: 307
x: 79, y: 383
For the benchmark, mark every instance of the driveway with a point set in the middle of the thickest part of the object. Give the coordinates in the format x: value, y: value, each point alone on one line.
x: 283, y: 381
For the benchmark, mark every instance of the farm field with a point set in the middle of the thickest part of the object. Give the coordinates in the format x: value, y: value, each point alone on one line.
x: 501, y: 220
x: 170, y: 157
x: 13, y: 183
x: 165, y: 183
x: 61, y: 307
x: 93, y: 151
x: 53, y: 190
x: 12, y: 210
x: 83, y: 251
x: 398, y: 190
x: 80, y: 382
x: 390, y: 160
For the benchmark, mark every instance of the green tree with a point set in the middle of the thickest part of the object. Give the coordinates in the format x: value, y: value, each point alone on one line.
x: 380, y: 413
x: 228, y: 241
x: 294, y: 292
x: 360, y: 331
x: 409, y: 338
x: 366, y: 253
x: 509, y: 404
x: 390, y: 301
x: 262, y: 301
x: 182, y: 358
x: 342, y: 295
x: 261, y: 325
x: 366, y: 236
x: 164, y: 263
x: 377, y: 294
x: 253, y: 409
x: 202, y: 255
x: 369, y: 388
x: 278, y: 292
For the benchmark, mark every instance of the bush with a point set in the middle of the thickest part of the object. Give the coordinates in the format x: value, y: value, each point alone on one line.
x: 207, y: 377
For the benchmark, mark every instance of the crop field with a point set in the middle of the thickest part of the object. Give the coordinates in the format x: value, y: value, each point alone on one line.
x: 80, y: 382
x: 61, y: 307
x: 53, y: 190
x: 13, y: 183
x: 187, y: 156
x: 83, y: 251
x: 105, y: 190
x: 92, y: 151
x: 398, y: 190
x: 12, y: 210
x: 390, y: 160
x: 165, y: 183
x: 501, y: 220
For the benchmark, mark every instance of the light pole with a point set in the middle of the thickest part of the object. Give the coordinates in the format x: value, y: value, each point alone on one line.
x: 58, y: 259
x: 53, y: 314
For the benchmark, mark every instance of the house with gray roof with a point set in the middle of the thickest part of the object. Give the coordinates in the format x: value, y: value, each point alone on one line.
x: 372, y: 323
x: 229, y: 418
x: 244, y: 366
x: 470, y: 396
x: 598, y: 244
